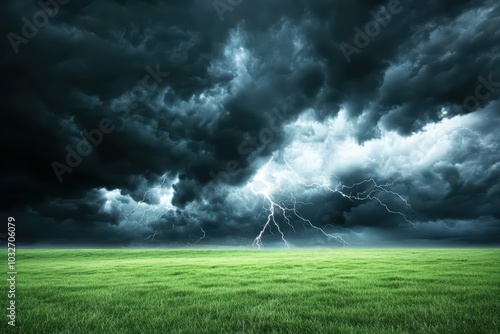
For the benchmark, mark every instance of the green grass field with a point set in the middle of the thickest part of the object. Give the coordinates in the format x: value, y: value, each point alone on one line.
x: 300, y: 291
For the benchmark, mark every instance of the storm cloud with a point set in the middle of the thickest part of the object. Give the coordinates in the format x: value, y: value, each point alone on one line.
x: 173, y: 122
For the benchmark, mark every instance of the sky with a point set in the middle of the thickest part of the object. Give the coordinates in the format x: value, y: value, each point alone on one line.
x: 239, y: 123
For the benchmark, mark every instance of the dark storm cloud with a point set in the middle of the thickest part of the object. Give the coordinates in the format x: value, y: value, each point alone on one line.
x: 220, y: 96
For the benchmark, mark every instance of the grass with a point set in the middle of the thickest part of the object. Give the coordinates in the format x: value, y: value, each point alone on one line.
x: 301, y: 291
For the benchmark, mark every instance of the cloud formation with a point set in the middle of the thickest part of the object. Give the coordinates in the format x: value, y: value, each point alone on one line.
x: 197, y: 107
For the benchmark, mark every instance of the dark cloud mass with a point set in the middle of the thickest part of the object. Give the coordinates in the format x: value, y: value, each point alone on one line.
x: 170, y: 123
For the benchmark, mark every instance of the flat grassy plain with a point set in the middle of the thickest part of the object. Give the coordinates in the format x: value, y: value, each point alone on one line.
x: 226, y: 291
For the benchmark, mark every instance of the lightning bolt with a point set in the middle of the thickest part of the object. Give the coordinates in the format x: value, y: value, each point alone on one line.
x: 285, y: 210
x: 152, y: 236
x: 145, y: 215
x: 142, y: 201
x: 200, y: 238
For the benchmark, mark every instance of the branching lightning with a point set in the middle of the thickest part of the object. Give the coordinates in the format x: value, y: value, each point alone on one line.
x: 199, y: 238
x: 150, y: 208
x: 144, y: 211
x: 285, y: 209
x: 280, y: 204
